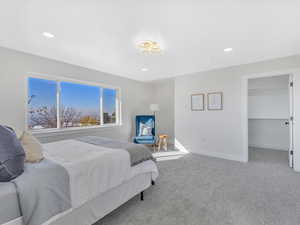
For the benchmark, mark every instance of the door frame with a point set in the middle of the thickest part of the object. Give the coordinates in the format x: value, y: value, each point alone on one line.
x: 244, y: 104
x: 291, y: 121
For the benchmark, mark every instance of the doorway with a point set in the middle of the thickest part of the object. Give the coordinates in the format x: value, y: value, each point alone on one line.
x: 270, y: 118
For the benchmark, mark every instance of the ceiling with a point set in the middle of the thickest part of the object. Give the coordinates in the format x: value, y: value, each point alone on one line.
x: 102, y: 34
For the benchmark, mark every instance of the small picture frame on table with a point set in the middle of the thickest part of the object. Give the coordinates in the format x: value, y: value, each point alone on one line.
x: 197, y: 102
x: 215, y: 101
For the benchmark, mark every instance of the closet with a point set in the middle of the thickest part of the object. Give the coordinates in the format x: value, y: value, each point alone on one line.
x: 269, y: 113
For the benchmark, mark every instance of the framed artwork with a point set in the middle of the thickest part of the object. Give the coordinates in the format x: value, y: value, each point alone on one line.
x: 215, y: 101
x: 197, y: 102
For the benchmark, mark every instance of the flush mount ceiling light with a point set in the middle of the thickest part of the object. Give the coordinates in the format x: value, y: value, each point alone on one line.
x: 48, y: 35
x: 228, y: 49
x: 149, y: 47
x: 144, y: 69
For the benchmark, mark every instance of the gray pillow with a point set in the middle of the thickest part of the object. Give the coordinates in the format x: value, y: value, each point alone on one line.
x: 12, y: 155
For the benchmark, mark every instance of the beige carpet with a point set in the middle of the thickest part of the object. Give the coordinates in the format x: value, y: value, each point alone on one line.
x: 198, y: 190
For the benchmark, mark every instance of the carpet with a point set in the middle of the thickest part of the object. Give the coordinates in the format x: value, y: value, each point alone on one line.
x: 199, y: 190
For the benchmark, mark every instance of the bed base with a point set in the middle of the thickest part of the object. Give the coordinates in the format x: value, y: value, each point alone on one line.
x: 142, y: 193
x: 96, y: 209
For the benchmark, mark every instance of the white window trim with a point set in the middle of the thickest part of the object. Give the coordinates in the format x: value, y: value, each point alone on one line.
x: 60, y: 79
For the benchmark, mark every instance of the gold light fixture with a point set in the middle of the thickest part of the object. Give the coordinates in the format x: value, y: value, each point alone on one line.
x: 149, y: 47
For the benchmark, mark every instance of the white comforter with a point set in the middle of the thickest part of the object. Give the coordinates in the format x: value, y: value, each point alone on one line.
x: 93, y: 169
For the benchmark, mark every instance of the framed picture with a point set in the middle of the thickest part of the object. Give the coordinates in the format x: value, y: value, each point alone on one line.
x: 197, y: 102
x: 215, y: 101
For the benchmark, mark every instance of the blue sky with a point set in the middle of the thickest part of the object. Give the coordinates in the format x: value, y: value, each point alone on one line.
x: 109, y: 103
x: 44, y: 92
x: 81, y: 97
x: 84, y: 98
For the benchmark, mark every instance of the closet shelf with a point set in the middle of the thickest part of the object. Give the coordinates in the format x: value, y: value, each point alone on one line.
x: 267, y: 118
x: 269, y: 89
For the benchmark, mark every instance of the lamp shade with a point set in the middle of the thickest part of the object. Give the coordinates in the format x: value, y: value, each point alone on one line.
x: 154, y: 107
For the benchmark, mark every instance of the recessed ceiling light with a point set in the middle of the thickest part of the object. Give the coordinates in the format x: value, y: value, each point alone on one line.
x: 228, y: 49
x: 48, y: 35
x: 144, y: 69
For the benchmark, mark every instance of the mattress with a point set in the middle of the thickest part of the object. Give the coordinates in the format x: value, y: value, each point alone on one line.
x: 10, y: 210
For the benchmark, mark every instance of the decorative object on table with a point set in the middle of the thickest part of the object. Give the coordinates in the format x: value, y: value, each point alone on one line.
x: 162, y: 142
x: 145, y: 130
x: 215, y: 101
x: 197, y: 102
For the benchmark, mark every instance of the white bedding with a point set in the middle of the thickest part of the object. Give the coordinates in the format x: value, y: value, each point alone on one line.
x: 94, y: 169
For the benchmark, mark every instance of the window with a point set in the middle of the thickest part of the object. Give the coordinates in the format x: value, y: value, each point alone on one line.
x: 42, y: 104
x: 80, y: 105
x: 109, y: 105
x: 62, y: 104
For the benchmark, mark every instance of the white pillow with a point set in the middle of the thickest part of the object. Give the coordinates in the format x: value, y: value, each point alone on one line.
x: 146, y: 131
x: 33, y: 148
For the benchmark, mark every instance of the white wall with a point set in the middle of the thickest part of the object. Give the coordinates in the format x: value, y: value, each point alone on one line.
x: 15, y: 65
x: 268, y: 134
x: 268, y: 98
x: 221, y: 133
x: 163, y: 94
x: 268, y: 110
x: 215, y: 133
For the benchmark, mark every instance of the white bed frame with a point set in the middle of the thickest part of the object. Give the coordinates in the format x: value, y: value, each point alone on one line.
x: 102, y: 205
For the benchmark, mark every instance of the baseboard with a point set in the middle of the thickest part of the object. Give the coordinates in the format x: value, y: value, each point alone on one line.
x: 296, y: 169
x: 238, y: 158
x: 267, y: 147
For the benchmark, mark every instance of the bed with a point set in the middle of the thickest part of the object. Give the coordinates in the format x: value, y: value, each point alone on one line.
x: 79, y: 182
x: 10, y: 210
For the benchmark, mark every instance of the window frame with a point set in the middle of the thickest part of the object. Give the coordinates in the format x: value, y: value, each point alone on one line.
x: 58, y: 80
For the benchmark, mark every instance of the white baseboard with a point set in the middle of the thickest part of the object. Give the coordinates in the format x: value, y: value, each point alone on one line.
x: 296, y: 169
x: 238, y: 158
x: 267, y: 147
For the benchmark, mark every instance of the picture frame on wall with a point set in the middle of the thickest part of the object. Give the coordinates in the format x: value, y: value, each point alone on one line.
x: 197, y: 102
x: 215, y: 101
